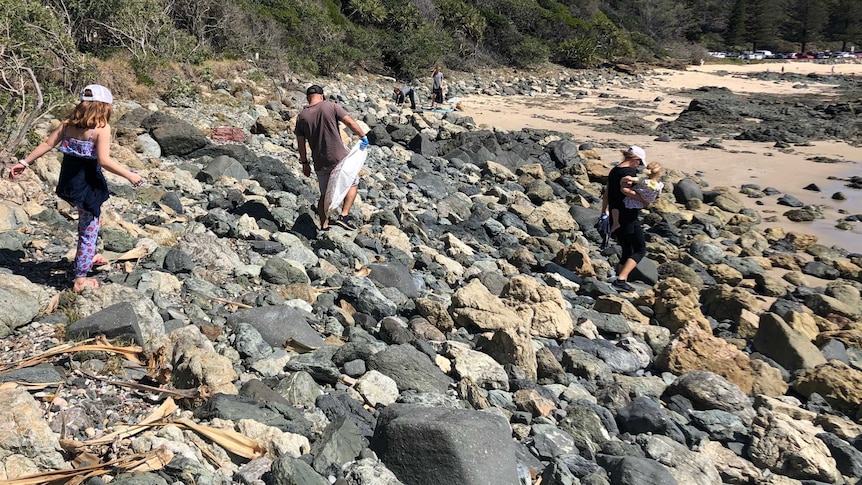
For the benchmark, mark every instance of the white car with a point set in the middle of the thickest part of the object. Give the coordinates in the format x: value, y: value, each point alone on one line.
x: 751, y: 56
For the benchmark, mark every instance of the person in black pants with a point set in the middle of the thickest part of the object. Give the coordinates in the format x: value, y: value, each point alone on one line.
x: 400, y: 94
x: 629, y: 235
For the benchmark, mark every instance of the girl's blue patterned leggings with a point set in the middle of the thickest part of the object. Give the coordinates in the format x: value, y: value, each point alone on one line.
x: 88, y: 235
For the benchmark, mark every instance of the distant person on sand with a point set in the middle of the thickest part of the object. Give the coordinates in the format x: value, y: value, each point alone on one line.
x: 436, y: 87
x: 629, y: 233
x: 403, y: 93
x: 84, y: 139
x: 317, y: 124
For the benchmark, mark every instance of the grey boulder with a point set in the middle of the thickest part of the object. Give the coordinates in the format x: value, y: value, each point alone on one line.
x: 279, y: 324
x: 432, y: 445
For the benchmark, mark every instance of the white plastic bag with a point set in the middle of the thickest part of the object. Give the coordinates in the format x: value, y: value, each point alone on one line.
x: 342, y: 176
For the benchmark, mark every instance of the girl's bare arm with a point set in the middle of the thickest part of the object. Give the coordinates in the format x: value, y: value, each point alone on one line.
x: 103, y: 153
x: 43, y: 148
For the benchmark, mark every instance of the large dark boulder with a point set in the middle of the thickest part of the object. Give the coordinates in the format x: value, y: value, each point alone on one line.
x: 233, y: 150
x: 410, y: 369
x: 394, y: 275
x: 564, y: 153
x: 630, y: 470
x: 234, y: 408
x: 686, y: 190
x: 432, y: 185
x: 422, y: 145
x: 432, y: 445
x: 279, y: 324
x: 643, y: 415
x: 222, y: 166
x: 174, y: 136
x: 116, y: 321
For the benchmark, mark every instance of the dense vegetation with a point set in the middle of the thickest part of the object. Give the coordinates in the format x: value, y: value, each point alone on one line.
x: 403, y: 37
x: 49, y: 47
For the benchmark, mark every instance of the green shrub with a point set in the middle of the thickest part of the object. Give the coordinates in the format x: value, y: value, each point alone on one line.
x: 529, y: 52
x: 414, y: 51
x: 368, y: 12
x: 282, y: 11
x: 463, y: 19
x: 594, y: 43
x: 582, y: 51
x: 366, y: 43
x: 179, y: 89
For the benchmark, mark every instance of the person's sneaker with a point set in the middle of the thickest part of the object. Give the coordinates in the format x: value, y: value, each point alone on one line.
x: 623, y: 285
x: 344, y: 221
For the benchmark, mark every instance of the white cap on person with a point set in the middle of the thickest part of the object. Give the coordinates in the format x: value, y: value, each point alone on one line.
x: 97, y: 92
x: 638, y: 152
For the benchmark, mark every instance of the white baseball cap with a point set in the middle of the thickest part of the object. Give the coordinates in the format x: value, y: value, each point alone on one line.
x: 638, y: 152
x: 97, y: 92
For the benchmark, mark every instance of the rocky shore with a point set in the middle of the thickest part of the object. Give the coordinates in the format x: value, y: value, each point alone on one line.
x: 466, y: 333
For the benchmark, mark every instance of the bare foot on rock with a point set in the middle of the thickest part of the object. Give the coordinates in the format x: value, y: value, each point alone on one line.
x: 82, y: 284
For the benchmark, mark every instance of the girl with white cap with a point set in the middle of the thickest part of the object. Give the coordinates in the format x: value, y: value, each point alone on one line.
x: 84, y: 138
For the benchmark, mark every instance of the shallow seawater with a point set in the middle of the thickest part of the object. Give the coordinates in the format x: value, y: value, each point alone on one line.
x: 825, y: 230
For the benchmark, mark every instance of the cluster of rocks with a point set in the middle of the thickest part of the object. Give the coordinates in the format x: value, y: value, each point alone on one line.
x: 465, y: 333
x: 579, y: 84
x: 783, y: 120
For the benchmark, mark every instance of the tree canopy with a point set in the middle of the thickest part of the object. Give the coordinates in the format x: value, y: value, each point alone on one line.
x: 406, y: 37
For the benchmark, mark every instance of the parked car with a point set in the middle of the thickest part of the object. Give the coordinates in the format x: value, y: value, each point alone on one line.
x: 751, y: 56
x: 805, y: 55
x: 718, y: 55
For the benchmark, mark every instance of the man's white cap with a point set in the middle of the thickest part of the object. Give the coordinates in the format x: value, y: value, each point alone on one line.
x: 638, y: 152
x: 97, y: 92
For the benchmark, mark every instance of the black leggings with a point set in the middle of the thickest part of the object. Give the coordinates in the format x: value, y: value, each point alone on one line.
x: 410, y: 94
x: 632, y: 242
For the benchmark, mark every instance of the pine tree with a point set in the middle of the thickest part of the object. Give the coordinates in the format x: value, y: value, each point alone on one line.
x: 806, y: 21
x: 761, y: 23
x: 736, y: 28
x: 845, y: 22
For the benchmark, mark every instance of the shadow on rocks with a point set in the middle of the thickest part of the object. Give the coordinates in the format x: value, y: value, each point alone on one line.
x: 305, y: 226
x: 56, y: 274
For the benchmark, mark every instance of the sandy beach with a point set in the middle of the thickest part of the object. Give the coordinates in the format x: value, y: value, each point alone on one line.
x: 737, y: 163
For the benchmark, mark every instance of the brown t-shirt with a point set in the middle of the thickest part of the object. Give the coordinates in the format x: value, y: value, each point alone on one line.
x: 318, y: 124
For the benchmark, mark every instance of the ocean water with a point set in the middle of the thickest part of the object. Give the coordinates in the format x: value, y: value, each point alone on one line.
x: 825, y: 230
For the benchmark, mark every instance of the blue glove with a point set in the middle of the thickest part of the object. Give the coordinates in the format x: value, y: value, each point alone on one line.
x: 603, y: 217
x: 363, y: 143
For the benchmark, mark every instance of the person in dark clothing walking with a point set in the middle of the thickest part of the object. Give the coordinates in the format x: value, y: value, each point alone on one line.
x: 629, y: 233
x: 402, y: 94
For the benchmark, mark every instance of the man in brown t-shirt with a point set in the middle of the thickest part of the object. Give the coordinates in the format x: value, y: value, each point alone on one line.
x: 317, y: 124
